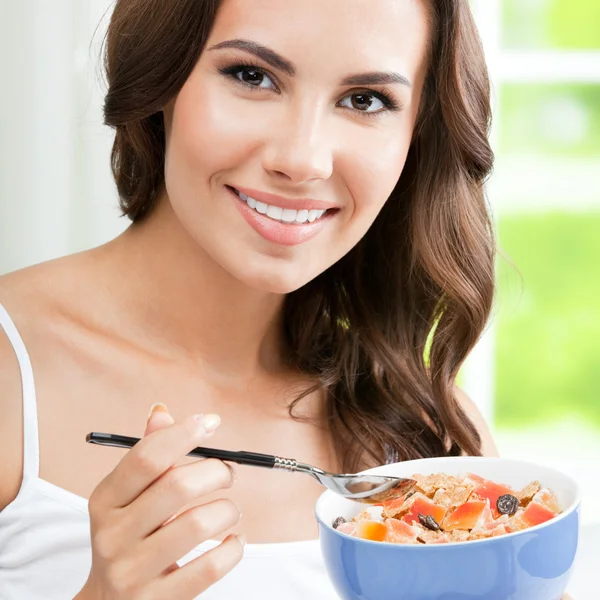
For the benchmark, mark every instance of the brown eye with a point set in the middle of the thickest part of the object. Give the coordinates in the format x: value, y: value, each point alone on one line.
x: 252, y: 77
x: 363, y: 102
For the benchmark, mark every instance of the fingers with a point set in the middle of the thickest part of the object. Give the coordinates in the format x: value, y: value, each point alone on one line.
x: 172, y: 492
x: 158, y: 418
x: 149, y: 459
x: 196, y: 525
x: 199, y: 574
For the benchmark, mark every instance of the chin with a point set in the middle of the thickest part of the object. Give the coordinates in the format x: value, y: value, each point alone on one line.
x: 273, y: 282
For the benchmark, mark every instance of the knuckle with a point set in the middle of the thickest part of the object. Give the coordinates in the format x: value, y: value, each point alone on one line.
x: 179, y: 483
x: 221, y: 472
x: 214, y: 568
x: 237, y: 552
x: 233, y: 511
x: 104, y: 546
x: 198, y: 522
x: 123, y: 579
x: 145, y: 463
x: 116, y: 574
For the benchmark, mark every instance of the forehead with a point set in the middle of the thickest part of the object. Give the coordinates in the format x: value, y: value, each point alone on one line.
x: 321, y: 35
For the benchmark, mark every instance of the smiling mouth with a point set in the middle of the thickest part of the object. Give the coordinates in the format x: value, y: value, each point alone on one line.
x: 288, y: 216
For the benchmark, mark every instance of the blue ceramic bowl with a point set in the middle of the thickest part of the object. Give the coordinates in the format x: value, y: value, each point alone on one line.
x: 534, y: 564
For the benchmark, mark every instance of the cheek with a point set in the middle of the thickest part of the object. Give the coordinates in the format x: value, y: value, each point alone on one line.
x: 211, y: 132
x: 373, y: 172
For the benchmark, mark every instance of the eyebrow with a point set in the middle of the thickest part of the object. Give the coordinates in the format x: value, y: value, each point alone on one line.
x: 278, y: 62
x: 269, y: 56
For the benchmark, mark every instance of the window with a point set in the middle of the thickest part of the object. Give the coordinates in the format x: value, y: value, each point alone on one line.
x: 536, y: 373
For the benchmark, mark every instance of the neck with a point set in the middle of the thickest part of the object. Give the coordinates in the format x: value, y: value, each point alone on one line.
x: 181, y: 301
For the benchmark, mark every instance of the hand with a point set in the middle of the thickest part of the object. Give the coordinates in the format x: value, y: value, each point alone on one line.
x: 140, y: 525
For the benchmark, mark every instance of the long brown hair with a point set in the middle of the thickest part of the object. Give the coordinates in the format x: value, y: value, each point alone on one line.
x: 385, y: 329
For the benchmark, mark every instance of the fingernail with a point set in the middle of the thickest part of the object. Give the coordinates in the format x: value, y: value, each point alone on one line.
x: 158, y: 407
x: 241, y: 539
x: 209, y: 422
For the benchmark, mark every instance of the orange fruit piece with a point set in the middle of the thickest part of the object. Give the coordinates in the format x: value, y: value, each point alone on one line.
x: 492, y: 491
x: 548, y: 499
x: 393, y: 507
x: 466, y: 516
x: 375, y: 531
x: 425, y: 507
x: 476, y: 478
x: 536, y: 514
x: 399, y: 532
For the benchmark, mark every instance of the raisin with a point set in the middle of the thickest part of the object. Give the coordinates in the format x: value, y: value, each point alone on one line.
x: 429, y: 522
x: 507, y: 504
x: 339, y: 521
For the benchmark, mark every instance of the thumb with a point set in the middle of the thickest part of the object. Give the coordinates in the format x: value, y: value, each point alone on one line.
x: 158, y: 418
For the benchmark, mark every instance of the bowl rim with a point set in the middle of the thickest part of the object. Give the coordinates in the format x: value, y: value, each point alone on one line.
x: 574, y: 506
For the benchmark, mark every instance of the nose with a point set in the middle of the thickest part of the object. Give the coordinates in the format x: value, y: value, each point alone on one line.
x: 298, y: 150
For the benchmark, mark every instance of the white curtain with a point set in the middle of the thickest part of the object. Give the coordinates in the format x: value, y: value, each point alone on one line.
x: 56, y: 191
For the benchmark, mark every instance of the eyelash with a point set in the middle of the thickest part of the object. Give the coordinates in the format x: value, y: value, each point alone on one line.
x: 384, y: 96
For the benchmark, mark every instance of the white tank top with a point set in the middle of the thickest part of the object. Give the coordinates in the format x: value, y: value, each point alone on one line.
x: 45, y: 551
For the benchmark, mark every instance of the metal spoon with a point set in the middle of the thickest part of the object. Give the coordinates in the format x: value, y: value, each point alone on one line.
x: 369, y: 489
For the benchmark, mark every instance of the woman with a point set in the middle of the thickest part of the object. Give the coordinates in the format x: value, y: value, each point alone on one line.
x: 304, y: 181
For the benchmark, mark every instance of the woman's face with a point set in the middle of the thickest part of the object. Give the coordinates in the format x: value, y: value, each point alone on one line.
x: 303, y: 110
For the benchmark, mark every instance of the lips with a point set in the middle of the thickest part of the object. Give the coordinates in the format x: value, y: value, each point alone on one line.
x: 284, y: 225
x: 279, y: 213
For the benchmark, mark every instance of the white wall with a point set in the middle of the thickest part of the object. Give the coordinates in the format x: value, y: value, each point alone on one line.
x: 56, y: 193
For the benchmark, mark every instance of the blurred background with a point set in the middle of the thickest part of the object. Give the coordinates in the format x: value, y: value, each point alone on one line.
x: 536, y: 372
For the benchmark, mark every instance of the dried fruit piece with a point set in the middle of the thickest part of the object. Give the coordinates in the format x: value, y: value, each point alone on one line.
x: 536, y: 514
x: 397, y: 506
x: 339, y: 521
x: 492, y: 491
x: 428, y: 522
x: 423, y: 505
x: 507, y: 504
x: 347, y: 528
x: 371, y: 530
x: 475, y: 478
x: 548, y: 499
x: 466, y: 516
x: 399, y: 532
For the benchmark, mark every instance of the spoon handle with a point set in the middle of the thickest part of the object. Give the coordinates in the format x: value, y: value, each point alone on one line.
x: 252, y: 459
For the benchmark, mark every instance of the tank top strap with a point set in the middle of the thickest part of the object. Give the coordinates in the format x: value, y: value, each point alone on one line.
x: 31, y: 453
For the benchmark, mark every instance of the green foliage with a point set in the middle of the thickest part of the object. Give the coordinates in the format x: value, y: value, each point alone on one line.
x: 548, y: 336
x: 554, y: 24
x: 551, y: 119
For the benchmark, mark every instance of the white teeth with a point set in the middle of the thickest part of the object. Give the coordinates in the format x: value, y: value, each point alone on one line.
x: 313, y: 215
x: 274, y: 212
x: 289, y: 215
x: 261, y: 207
x: 302, y: 216
x: 286, y: 215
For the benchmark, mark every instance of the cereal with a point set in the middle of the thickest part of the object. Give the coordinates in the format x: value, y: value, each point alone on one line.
x: 445, y: 509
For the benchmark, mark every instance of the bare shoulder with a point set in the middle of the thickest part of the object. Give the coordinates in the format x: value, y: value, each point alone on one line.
x: 29, y: 296
x: 11, y: 423
x: 488, y: 446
